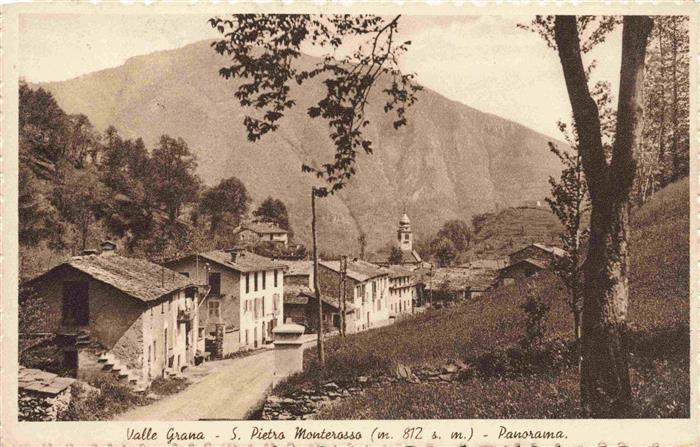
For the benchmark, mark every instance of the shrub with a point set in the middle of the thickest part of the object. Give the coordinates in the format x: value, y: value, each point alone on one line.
x: 109, y: 398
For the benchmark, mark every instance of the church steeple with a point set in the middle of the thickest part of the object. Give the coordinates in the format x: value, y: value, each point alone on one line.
x: 405, y: 235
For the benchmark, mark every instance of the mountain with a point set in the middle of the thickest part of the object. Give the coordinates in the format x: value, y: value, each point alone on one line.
x: 451, y: 161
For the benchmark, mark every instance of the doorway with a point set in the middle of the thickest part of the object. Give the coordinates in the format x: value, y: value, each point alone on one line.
x: 76, y: 303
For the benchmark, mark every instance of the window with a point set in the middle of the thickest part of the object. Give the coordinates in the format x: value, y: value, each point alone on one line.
x: 262, y: 302
x: 247, y: 282
x: 275, y: 300
x: 374, y: 290
x: 405, y: 237
x: 215, y: 283
x: 162, y: 307
x: 264, y: 275
x: 214, y: 309
x: 255, y: 281
x: 246, y: 336
x: 185, y: 274
x: 275, y: 278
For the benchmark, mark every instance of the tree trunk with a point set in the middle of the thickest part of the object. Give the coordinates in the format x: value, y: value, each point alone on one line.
x: 675, y: 158
x: 605, y: 383
x: 662, y: 127
x: 317, y: 291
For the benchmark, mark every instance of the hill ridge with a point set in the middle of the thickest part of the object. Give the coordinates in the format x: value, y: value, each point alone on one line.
x: 450, y: 161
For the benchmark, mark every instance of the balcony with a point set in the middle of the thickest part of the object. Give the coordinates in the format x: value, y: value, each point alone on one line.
x: 185, y: 315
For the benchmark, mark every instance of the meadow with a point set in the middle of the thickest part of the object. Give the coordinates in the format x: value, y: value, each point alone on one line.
x: 513, y: 381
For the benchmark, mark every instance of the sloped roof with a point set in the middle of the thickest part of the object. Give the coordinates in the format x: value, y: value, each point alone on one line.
x: 485, y: 264
x: 407, y: 257
x: 358, y: 270
x: 396, y: 271
x: 556, y: 251
x: 331, y: 301
x: 533, y: 262
x: 455, y: 279
x: 246, y: 261
x: 138, y: 278
x: 298, y: 267
x: 294, y: 294
x: 452, y: 279
x: 262, y: 228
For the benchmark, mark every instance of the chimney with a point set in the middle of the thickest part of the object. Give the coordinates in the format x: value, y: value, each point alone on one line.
x: 108, y: 248
x: 236, y: 253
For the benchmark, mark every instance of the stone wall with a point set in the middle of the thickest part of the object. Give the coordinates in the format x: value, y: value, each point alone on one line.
x: 35, y: 406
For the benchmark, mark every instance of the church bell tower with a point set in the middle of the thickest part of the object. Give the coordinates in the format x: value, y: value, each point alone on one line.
x: 405, y: 235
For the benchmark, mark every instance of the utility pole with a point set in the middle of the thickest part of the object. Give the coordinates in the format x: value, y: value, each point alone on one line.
x: 317, y: 292
x: 343, y: 274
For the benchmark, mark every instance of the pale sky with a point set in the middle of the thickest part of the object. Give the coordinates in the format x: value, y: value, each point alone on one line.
x: 485, y: 62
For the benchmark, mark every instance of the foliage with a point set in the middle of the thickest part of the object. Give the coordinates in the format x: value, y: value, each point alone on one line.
x: 458, y: 232
x: 229, y: 199
x: 280, y: 251
x: 80, y: 198
x: 173, y: 167
x: 444, y: 251
x: 111, y: 399
x: 78, y: 186
x: 264, y: 49
x: 535, y: 317
x: 395, y: 256
x: 165, y: 387
x: 662, y: 155
x: 274, y: 211
x: 569, y: 202
x: 39, y: 219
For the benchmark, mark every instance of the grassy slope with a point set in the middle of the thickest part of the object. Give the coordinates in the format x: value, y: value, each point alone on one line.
x: 658, y: 301
x: 513, y: 228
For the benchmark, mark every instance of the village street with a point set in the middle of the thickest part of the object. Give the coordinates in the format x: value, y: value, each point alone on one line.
x: 223, y: 389
x: 228, y: 390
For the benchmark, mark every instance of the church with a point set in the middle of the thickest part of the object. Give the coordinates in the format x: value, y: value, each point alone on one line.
x: 404, y: 241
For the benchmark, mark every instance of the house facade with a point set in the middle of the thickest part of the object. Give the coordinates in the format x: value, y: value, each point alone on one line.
x: 402, y: 291
x: 298, y: 285
x: 255, y: 232
x: 366, y: 292
x: 129, y: 316
x: 245, y: 300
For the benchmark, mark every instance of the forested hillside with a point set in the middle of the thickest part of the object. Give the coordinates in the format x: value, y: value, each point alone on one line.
x: 450, y: 161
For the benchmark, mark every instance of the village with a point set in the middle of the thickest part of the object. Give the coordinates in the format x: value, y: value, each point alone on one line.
x: 291, y: 217
x: 135, y: 321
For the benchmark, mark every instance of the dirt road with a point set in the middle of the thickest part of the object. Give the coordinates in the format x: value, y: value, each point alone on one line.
x: 228, y: 390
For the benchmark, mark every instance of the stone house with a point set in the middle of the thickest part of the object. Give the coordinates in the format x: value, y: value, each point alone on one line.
x: 366, y: 293
x: 245, y: 301
x: 519, y: 270
x: 302, y: 308
x: 539, y: 252
x: 254, y: 232
x: 528, y: 261
x: 402, y: 291
x: 131, y: 316
x: 298, y: 281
